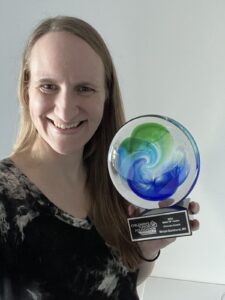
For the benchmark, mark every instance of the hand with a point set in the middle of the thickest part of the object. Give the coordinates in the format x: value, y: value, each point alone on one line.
x: 193, y: 209
x: 150, y: 248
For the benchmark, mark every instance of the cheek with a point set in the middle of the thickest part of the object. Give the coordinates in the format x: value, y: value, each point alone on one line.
x: 37, y: 105
x: 99, y: 107
x: 98, y: 111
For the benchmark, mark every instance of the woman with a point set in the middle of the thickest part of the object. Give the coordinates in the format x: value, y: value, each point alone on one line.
x: 63, y: 226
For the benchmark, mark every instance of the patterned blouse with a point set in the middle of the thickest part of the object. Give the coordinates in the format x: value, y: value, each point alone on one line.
x: 46, y: 254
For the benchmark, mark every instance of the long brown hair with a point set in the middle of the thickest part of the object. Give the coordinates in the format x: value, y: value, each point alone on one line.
x: 108, y: 209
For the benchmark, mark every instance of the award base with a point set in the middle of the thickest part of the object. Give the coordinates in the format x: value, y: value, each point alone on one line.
x: 160, y: 223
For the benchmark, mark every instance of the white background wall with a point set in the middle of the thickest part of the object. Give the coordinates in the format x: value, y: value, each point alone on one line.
x: 170, y: 57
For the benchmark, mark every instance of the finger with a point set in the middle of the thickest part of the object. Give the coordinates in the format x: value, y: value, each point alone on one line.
x: 195, y: 225
x: 165, y: 203
x: 194, y: 207
x: 133, y: 211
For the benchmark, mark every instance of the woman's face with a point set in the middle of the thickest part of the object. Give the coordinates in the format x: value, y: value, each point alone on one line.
x: 66, y: 91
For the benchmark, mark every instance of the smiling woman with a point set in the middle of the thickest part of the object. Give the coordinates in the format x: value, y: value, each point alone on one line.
x: 63, y: 225
x: 66, y: 91
x: 56, y: 199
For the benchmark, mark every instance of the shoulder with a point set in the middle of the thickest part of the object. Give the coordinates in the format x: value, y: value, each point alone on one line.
x: 16, y: 192
x: 16, y: 199
x: 11, y: 188
x: 13, y: 184
x: 9, y: 178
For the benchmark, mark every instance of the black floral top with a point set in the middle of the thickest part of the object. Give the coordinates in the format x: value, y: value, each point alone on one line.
x: 47, y: 254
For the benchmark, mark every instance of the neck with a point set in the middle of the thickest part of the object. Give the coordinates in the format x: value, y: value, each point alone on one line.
x: 62, y: 178
x: 67, y: 168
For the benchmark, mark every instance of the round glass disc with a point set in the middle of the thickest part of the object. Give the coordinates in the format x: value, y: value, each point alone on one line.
x: 153, y: 161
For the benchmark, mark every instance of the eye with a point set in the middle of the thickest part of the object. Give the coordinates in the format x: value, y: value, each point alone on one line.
x: 48, y: 88
x: 85, y: 90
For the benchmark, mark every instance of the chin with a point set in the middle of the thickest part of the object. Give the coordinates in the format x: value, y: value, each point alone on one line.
x: 70, y: 151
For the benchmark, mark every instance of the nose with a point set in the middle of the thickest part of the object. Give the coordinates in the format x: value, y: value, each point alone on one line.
x: 66, y: 106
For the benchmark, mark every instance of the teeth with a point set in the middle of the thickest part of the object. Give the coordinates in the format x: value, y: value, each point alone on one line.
x: 62, y: 126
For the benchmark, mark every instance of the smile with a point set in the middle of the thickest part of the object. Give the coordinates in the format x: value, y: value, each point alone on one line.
x: 66, y: 126
x: 63, y: 126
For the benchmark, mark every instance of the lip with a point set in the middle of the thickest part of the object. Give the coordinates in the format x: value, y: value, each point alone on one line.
x: 68, y: 131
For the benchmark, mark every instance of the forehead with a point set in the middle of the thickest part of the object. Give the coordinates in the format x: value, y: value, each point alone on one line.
x: 65, y: 54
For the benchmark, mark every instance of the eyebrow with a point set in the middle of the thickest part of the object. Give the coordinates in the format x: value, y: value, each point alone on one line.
x: 88, y: 83
x: 48, y: 79
x: 43, y: 80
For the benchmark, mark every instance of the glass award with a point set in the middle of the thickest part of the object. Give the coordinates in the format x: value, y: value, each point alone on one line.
x: 154, y: 163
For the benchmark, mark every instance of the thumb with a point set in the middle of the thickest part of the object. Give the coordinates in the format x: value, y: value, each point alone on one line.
x: 133, y: 210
